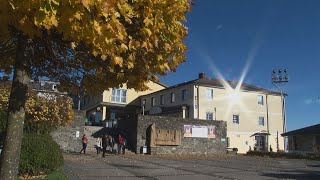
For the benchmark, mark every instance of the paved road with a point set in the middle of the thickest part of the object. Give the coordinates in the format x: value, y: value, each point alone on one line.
x: 95, y: 167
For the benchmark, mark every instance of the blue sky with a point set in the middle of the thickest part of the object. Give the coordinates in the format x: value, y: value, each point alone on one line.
x: 228, y: 34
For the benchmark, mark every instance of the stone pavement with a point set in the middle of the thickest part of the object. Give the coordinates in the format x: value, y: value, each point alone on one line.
x: 135, y: 166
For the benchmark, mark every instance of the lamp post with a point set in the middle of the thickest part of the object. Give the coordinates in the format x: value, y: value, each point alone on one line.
x: 281, y: 76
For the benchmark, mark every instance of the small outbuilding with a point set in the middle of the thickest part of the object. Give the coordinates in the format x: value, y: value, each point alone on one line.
x: 305, y: 140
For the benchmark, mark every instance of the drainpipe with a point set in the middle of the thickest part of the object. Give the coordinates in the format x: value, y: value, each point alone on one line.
x: 198, y: 101
x: 215, y: 113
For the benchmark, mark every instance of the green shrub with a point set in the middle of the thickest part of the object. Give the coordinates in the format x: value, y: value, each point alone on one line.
x: 3, y: 121
x: 40, y: 154
x: 282, y: 154
x: 56, y: 175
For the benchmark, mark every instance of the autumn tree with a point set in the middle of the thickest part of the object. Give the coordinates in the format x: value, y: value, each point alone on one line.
x: 44, y: 112
x: 98, y: 43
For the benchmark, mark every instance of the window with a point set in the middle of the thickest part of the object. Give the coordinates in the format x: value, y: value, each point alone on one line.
x: 235, y: 119
x: 119, y: 95
x: 317, y: 139
x: 172, y: 97
x: 295, y: 145
x: 184, y: 94
x: 261, y: 121
x: 209, y: 116
x: 209, y: 94
x: 162, y: 99
x: 144, y: 102
x: 260, y: 99
x: 153, y: 101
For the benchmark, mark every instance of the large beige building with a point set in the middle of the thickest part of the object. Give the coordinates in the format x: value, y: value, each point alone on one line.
x: 254, y: 115
x: 114, y: 104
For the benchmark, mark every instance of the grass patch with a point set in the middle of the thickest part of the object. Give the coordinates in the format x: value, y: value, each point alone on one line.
x: 56, y: 175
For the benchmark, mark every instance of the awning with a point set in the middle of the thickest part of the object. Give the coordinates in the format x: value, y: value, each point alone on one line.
x: 263, y: 132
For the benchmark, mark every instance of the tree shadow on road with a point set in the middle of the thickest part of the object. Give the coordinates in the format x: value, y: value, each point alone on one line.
x: 294, y: 175
x: 313, y: 165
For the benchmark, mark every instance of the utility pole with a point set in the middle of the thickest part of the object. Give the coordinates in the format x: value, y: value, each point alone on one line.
x: 281, y: 76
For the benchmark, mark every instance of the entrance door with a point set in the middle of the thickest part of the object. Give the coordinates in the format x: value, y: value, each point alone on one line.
x: 260, y: 143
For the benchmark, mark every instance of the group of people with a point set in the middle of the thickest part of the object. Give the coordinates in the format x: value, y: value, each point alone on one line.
x: 106, y: 143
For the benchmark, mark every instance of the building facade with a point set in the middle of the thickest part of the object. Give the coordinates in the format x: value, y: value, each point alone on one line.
x: 48, y: 89
x: 254, y: 115
x: 115, y: 104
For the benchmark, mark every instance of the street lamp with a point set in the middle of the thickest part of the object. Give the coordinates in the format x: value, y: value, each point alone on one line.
x: 281, y: 76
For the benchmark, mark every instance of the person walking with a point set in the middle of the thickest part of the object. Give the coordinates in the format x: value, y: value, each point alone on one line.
x: 104, y: 145
x: 110, y: 143
x: 84, y: 144
x: 120, y: 144
x: 124, y: 145
x: 99, y: 144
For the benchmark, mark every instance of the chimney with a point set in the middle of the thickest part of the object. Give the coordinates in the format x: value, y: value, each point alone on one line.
x: 202, y: 75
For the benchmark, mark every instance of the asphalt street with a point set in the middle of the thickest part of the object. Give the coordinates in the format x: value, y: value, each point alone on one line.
x: 92, y: 166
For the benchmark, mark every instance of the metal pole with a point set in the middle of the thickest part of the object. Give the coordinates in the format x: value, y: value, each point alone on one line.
x: 285, y: 124
x: 268, y: 129
x: 283, y: 113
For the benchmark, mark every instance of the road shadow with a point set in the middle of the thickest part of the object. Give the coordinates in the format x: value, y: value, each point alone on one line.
x: 121, y: 166
x: 294, y: 175
x: 314, y: 165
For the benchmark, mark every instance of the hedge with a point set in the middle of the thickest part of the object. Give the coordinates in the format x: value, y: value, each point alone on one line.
x: 40, y: 154
x: 282, y: 154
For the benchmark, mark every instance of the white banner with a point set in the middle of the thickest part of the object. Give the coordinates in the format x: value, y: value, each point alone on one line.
x: 199, y: 131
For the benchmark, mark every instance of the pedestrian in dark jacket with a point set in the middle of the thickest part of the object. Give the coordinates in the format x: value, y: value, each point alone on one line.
x: 104, y: 145
x: 110, y: 143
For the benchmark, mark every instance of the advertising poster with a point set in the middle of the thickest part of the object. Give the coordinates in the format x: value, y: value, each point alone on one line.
x: 199, y: 131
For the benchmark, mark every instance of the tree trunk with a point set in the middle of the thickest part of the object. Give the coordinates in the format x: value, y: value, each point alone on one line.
x: 16, y: 113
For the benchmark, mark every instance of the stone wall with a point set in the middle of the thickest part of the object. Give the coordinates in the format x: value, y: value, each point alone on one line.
x: 66, y: 136
x: 189, y: 145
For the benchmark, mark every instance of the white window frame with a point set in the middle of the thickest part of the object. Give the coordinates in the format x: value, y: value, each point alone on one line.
x: 153, y: 101
x: 260, y: 100
x: 183, y: 94
x: 210, y: 94
x: 172, y: 96
x: 233, y: 119
x: 162, y: 99
x: 117, y: 96
x: 261, y: 121
x: 209, y: 115
x: 144, y: 102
